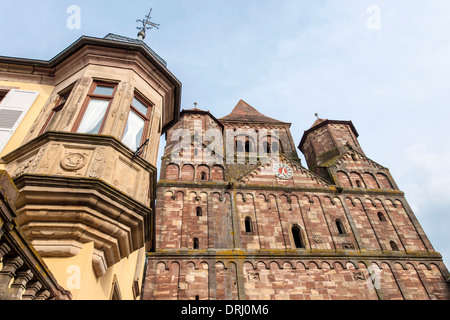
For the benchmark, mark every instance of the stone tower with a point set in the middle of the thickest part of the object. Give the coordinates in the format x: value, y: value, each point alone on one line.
x: 239, y: 218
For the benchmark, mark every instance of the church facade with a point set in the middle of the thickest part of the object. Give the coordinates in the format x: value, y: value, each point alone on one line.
x: 238, y: 217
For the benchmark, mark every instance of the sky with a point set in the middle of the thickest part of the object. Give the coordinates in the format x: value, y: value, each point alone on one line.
x: 382, y: 64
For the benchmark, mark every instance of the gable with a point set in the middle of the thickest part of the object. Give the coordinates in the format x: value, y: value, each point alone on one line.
x: 270, y: 174
x: 352, y: 160
x: 355, y: 170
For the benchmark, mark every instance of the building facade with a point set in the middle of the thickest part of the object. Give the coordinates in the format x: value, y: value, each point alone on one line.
x: 79, y: 140
x: 239, y: 218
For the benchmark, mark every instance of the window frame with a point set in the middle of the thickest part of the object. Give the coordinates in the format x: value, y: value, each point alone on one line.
x: 90, y: 96
x: 146, y: 117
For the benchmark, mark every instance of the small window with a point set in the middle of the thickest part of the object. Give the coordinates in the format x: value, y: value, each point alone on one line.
x: 197, y: 298
x: 93, y: 117
x: 381, y: 217
x: 354, y: 157
x: 340, y: 226
x: 199, y: 212
x: 296, y: 234
x: 196, y: 244
x: 394, y: 246
x: 204, y: 176
x: 248, y: 225
x: 358, y: 184
x: 54, y: 115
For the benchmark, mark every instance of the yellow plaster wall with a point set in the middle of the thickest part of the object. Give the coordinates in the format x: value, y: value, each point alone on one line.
x: 76, y: 274
x: 19, y: 135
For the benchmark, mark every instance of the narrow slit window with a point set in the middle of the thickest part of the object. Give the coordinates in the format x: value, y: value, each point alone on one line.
x: 204, y: 176
x: 196, y: 244
x: 394, y: 246
x: 248, y: 225
x: 199, y: 212
x: 381, y: 217
x: 296, y: 234
x: 340, y: 226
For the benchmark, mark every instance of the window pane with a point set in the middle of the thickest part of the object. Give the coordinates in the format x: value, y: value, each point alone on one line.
x: 133, y: 131
x: 140, y: 106
x: 104, y: 91
x: 93, y: 117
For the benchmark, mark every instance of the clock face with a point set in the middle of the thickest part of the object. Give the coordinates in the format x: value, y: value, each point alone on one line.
x: 282, y: 171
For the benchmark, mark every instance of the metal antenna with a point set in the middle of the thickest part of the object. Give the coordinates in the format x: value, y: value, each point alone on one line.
x: 146, y: 25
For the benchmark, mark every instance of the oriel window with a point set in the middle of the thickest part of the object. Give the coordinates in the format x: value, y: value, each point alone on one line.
x: 93, y: 116
x: 56, y: 111
x: 137, y: 124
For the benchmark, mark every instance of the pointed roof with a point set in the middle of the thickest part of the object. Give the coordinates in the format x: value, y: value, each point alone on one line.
x: 243, y: 112
x: 196, y: 110
x: 318, y: 121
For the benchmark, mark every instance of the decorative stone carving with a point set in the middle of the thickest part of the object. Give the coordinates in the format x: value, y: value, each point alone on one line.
x: 73, y: 162
x: 348, y: 246
x: 359, y: 276
x: 49, y: 158
x: 253, y: 276
x: 318, y: 239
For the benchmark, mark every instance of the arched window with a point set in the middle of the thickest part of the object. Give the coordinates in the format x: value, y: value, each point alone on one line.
x: 394, y: 246
x: 296, y: 234
x: 197, y: 298
x: 248, y: 225
x: 340, y: 226
x: 381, y: 216
x: 196, y: 244
x: 204, y: 176
x: 358, y: 184
x: 199, y: 212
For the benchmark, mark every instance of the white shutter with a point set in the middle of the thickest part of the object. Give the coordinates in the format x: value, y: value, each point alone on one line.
x: 13, y: 109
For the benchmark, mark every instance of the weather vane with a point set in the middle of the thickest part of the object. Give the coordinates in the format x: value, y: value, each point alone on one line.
x: 146, y: 25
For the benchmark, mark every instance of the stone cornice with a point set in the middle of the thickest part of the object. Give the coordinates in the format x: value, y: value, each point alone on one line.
x: 234, y: 186
x: 302, y: 254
